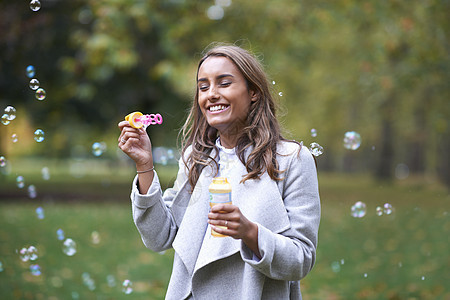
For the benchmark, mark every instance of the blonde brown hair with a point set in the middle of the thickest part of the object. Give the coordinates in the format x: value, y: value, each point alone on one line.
x: 262, y: 130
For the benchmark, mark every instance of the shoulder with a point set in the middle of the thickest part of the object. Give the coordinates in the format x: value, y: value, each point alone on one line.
x: 292, y: 152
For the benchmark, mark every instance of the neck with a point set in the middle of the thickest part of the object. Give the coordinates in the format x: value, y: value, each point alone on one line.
x: 228, y: 142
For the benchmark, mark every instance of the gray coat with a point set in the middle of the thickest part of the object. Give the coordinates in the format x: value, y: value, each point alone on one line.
x: 287, y: 213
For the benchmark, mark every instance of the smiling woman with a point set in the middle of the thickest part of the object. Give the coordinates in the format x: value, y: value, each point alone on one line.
x: 270, y: 228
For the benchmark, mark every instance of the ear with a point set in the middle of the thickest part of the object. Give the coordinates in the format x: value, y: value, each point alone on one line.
x: 254, y: 95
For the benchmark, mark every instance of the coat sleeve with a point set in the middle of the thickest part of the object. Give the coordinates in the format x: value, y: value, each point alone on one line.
x: 290, y: 255
x: 152, y: 212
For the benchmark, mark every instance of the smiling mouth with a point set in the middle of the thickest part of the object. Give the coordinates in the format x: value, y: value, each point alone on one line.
x: 217, y: 108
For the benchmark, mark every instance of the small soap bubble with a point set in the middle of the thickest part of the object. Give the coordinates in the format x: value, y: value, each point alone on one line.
x: 401, y: 171
x: 342, y: 261
x: 215, y: 12
x: 60, y: 234
x: 365, y: 275
x: 30, y: 71
x: 45, y: 173
x: 335, y: 267
x: 387, y: 208
x: 23, y: 254
x: 313, y: 132
x: 5, y: 119
x: 20, y: 181
x: 11, y: 112
x: 111, y: 280
x: 34, y: 84
x: 273, y: 82
x: 352, y: 140
x: 315, y: 149
x: 98, y: 148
x: 32, y: 191
x: 88, y: 281
x: 379, y: 211
x: 14, y: 138
x: 127, y: 286
x: 95, y: 238
x: 39, y: 135
x: 358, y: 210
x: 1, y: 267
x: 170, y: 154
x: 280, y: 94
x: 40, y: 213
x: 35, y: 270
x: 69, y: 247
x: 32, y: 253
x: 35, y: 5
x: 40, y: 94
x: 2, y: 161
x: 423, y: 278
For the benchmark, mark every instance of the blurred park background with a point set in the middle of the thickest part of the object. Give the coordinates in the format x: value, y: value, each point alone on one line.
x: 378, y: 68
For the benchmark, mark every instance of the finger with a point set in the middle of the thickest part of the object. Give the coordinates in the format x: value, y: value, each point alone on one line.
x: 223, y: 208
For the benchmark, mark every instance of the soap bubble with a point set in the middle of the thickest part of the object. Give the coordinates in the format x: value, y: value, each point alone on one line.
x: 1, y: 267
x: 88, y: 281
x: 98, y: 148
x: 39, y: 135
x: 14, y: 138
x: 30, y: 71
x: 32, y: 253
x: 95, y: 238
x: 315, y: 149
x: 35, y: 270
x: 34, y: 84
x: 215, y: 12
x: 60, y: 234
x: 127, y: 286
x: 35, y: 5
x: 313, y: 132
x: 40, y: 94
x: 45, y: 173
x: 10, y: 111
x: 387, y: 209
x: 379, y: 210
x: 69, y: 247
x: 358, y: 210
x: 5, y: 119
x: 32, y: 191
x: 401, y: 171
x: 352, y: 140
x: 20, y: 181
x: 40, y: 213
x: 335, y: 267
x: 273, y: 82
x: 365, y: 275
x: 23, y: 254
x: 280, y: 94
x: 2, y: 161
x: 111, y: 280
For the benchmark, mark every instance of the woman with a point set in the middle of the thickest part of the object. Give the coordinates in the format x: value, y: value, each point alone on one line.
x: 272, y: 225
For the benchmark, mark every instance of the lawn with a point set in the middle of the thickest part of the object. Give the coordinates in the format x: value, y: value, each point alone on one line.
x: 402, y: 255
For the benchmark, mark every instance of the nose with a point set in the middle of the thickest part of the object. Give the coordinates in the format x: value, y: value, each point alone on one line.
x: 213, y: 93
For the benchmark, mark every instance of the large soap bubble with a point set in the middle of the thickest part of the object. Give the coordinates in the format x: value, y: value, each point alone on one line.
x: 352, y: 140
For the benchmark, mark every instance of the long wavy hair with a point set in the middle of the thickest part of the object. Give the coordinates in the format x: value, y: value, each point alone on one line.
x: 261, y: 132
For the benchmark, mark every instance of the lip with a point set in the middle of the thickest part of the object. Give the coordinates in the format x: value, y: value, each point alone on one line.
x: 219, y: 111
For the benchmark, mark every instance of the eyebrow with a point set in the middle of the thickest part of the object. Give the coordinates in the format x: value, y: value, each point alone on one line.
x: 218, y: 77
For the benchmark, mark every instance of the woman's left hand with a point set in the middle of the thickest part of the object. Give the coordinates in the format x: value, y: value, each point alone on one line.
x: 234, y: 224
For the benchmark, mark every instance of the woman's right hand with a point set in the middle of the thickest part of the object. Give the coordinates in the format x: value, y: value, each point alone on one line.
x: 136, y: 144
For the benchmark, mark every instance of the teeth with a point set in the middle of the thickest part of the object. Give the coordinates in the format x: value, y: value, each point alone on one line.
x: 217, y: 107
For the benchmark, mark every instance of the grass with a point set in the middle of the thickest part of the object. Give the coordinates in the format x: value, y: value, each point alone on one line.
x: 399, y: 256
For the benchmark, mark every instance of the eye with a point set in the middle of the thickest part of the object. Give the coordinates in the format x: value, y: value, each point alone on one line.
x: 225, y: 83
x: 203, y: 87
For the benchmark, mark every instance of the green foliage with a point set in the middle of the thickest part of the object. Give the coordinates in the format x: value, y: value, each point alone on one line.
x: 380, y: 68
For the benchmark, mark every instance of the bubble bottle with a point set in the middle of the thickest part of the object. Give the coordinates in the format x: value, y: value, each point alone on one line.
x: 219, y: 193
x: 138, y: 120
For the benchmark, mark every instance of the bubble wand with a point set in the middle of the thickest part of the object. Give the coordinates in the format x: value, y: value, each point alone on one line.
x: 138, y: 120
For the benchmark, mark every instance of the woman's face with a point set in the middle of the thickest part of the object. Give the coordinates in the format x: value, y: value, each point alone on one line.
x: 223, y: 96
